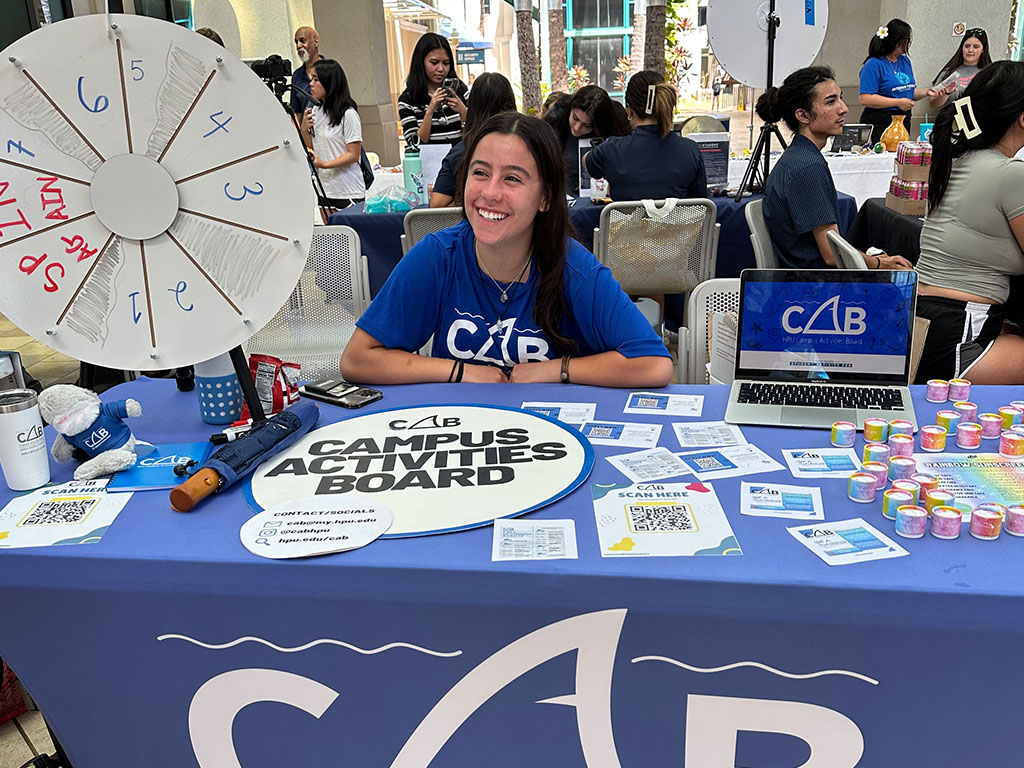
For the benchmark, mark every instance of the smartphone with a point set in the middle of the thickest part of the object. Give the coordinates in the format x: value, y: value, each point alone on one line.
x: 449, y: 84
x: 340, y: 392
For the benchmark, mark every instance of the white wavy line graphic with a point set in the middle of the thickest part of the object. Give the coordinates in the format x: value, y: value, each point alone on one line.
x: 467, y: 314
x: 758, y: 665
x: 311, y: 644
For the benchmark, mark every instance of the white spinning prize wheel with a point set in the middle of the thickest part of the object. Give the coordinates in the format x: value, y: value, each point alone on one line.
x: 738, y: 34
x: 155, y: 201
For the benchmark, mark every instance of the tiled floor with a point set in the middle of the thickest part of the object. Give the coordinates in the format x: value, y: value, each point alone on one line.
x: 47, y: 365
x: 22, y: 739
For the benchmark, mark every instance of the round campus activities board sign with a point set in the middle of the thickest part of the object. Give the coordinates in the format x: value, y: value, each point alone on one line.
x: 155, y: 203
x: 439, y: 468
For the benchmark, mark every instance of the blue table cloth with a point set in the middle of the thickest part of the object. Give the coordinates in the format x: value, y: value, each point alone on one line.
x: 169, y: 642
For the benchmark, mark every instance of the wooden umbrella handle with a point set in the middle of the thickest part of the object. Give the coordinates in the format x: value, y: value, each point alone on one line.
x: 195, y: 489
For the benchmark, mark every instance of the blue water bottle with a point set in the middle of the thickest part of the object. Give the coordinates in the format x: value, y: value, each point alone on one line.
x: 412, y: 174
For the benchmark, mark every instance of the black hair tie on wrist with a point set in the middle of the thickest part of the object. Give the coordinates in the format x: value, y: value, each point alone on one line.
x: 462, y: 370
x: 455, y: 364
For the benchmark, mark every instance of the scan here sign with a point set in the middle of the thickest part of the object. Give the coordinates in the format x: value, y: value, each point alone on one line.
x: 438, y: 468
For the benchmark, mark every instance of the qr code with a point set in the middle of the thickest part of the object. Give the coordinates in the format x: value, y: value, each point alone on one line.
x: 59, y: 512
x: 647, y: 402
x: 650, y: 518
x: 707, y: 463
x: 601, y: 432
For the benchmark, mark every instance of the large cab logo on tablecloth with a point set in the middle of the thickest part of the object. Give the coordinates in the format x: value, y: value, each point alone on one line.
x: 438, y: 468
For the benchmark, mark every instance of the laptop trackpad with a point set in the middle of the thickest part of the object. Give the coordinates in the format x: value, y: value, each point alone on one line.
x: 802, y: 416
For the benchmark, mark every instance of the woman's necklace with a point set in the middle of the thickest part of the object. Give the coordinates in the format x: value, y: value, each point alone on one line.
x: 513, y: 286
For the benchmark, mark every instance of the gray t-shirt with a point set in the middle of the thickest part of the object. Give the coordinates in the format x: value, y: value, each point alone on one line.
x: 965, y: 75
x: 966, y: 243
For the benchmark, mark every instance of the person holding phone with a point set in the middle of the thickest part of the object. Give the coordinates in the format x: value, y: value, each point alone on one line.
x: 970, y: 58
x: 507, y: 294
x: 590, y: 113
x: 432, y: 107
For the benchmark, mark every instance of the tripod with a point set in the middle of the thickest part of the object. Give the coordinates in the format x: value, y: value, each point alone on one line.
x: 756, y: 177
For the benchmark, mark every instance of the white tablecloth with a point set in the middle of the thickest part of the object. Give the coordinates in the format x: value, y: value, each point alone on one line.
x: 860, y: 176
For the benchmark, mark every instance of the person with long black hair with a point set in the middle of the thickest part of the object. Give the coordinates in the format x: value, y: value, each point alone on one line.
x: 654, y: 162
x: 335, y: 134
x: 589, y: 113
x: 887, y: 84
x: 508, y: 294
x: 971, y: 57
x: 973, y: 236
x: 492, y: 93
x: 433, y: 104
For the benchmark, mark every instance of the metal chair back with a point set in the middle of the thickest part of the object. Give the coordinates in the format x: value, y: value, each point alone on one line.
x: 718, y: 295
x: 420, y: 222
x: 764, y: 253
x: 845, y: 255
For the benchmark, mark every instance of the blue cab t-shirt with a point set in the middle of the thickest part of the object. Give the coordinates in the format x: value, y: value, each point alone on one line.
x: 892, y: 79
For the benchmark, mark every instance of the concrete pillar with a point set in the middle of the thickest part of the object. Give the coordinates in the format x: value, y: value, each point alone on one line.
x: 352, y: 32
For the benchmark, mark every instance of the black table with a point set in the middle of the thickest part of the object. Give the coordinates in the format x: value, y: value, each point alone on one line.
x: 879, y: 227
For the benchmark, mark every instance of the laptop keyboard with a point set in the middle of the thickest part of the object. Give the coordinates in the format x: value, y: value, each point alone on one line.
x: 822, y: 395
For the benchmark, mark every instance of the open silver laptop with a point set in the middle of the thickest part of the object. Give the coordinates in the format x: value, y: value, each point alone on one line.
x: 817, y: 346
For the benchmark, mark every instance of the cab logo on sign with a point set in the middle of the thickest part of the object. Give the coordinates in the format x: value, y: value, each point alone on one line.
x: 164, y: 461
x: 427, y: 422
x: 32, y: 433
x: 852, y: 325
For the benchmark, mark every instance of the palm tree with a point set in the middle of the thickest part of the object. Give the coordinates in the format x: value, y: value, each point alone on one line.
x: 529, y: 71
x: 654, y: 36
x: 557, y: 54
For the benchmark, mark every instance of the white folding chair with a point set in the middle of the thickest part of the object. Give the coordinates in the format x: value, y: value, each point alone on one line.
x: 845, y: 255
x: 316, y: 322
x: 764, y: 253
x: 420, y: 222
x: 659, y: 246
x: 718, y: 295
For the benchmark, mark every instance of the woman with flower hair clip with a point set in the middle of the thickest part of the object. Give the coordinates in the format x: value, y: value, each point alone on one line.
x: 887, y: 84
x: 972, y: 239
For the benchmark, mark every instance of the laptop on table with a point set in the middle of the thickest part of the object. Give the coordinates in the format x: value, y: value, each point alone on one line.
x: 818, y: 346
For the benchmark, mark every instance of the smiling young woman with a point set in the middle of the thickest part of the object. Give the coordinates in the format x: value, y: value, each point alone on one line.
x: 507, y: 295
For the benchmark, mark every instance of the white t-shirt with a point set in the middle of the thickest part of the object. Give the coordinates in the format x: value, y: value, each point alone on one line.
x: 331, y: 141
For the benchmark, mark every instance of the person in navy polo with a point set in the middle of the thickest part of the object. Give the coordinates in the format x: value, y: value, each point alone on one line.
x: 800, y: 201
x: 654, y: 162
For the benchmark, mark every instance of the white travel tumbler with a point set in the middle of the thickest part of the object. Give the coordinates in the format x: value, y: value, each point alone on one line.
x: 23, y: 456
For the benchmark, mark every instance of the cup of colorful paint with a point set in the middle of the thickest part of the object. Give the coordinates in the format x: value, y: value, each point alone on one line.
x: 1018, y: 428
x: 901, y: 445
x: 894, y: 498
x: 933, y: 438
x: 968, y: 411
x: 927, y: 482
x: 908, y: 486
x: 879, y: 471
x: 959, y: 389
x: 946, y: 522
x: 1010, y: 416
x: 937, y: 498
x: 863, y: 487
x: 1017, y: 404
x: 937, y: 391
x: 844, y: 434
x: 911, y: 521
x: 901, y: 427
x: 876, y: 430
x: 1011, y: 444
x: 876, y: 452
x: 991, y: 425
x: 1014, y: 522
x: 901, y: 467
x: 968, y: 435
x: 986, y: 523
x: 948, y: 419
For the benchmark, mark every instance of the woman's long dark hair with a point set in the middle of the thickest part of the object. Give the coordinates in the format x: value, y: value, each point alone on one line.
x: 492, y: 93
x: 551, y: 228
x: 416, y: 82
x: 606, y: 120
x: 664, y: 103
x: 899, y: 31
x: 957, y: 60
x: 797, y: 92
x: 337, y: 95
x: 997, y: 100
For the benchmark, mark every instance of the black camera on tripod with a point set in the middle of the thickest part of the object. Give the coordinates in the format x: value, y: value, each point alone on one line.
x: 275, y: 71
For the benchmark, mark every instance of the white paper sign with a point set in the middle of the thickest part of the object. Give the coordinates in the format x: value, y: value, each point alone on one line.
x: 661, y: 519
x: 795, y: 502
x: 731, y: 461
x: 534, y: 540
x: 707, y: 434
x: 651, y: 464
x: 567, y: 413
x: 318, y: 525
x: 821, y: 462
x: 658, y: 403
x: 70, y: 513
x: 622, y: 434
x: 847, y: 541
